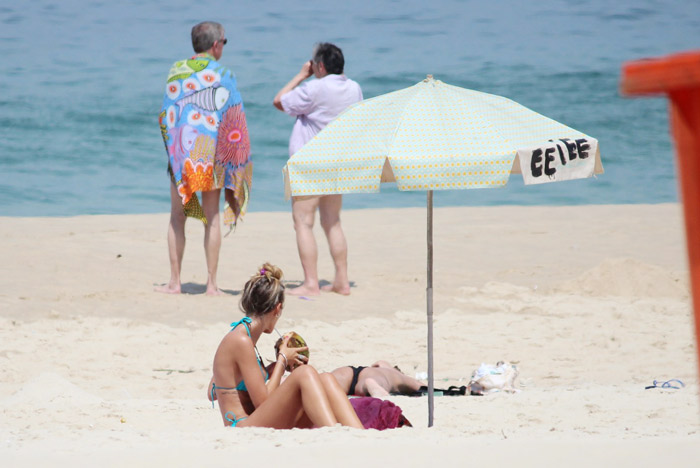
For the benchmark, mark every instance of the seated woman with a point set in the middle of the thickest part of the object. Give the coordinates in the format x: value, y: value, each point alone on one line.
x: 249, y: 394
x: 379, y: 380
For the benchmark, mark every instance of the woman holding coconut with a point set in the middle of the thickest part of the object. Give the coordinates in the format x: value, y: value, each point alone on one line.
x: 251, y: 395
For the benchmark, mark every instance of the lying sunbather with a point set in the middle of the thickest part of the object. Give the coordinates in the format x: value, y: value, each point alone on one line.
x: 378, y: 380
x: 382, y: 379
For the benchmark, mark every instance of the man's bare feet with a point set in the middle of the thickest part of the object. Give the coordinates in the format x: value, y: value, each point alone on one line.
x: 344, y: 290
x: 303, y: 290
x: 214, y: 292
x: 167, y: 289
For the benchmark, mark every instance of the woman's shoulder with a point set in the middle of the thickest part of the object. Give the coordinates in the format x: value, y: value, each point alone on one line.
x: 236, y: 338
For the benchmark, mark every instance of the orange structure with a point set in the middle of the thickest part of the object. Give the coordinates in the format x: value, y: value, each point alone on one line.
x: 678, y: 77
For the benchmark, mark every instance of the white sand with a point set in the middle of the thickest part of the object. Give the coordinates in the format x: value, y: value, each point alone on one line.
x: 591, y: 303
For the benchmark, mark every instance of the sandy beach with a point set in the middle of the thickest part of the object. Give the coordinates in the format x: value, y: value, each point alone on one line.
x: 590, y: 302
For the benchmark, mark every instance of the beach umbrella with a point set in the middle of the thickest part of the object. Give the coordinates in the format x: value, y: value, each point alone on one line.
x: 434, y: 136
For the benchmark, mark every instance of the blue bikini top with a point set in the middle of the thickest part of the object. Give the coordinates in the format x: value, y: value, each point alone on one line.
x: 246, y: 321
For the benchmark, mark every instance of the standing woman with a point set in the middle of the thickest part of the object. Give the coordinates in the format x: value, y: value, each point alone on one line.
x: 251, y: 395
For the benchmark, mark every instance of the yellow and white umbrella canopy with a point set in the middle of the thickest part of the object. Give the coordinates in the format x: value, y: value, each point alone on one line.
x: 434, y: 136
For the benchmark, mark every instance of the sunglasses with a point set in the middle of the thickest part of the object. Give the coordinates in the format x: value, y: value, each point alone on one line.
x: 224, y: 41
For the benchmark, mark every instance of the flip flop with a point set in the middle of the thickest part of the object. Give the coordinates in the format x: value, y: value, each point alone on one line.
x: 673, y: 383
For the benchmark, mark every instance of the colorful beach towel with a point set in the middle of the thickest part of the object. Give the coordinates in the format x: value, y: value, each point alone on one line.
x: 203, y: 125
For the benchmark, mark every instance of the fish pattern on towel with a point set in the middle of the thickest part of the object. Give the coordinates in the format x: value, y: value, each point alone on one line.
x: 203, y: 125
x: 208, y: 99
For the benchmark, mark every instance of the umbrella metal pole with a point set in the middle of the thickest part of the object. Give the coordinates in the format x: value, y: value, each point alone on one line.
x: 429, y: 297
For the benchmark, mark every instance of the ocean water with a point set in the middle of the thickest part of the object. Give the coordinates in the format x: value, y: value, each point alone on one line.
x: 82, y: 84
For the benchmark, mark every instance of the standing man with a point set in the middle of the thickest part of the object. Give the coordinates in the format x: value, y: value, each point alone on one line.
x: 206, y: 137
x: 314, y: 104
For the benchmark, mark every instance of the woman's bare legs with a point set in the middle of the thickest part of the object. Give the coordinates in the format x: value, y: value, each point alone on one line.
x: 303, y: 421
x: 302, y: 389
x: 342, y: 408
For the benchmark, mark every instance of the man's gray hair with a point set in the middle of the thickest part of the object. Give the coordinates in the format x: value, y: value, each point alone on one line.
x: 205, y: 34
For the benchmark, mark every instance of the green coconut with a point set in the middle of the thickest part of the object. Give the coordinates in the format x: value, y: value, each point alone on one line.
x: 296, y: 341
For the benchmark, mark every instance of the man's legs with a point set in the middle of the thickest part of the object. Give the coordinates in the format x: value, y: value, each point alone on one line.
x: 176, y: 242
x: 212, y: 237
x: 329, y: 210
x: 303, y: 213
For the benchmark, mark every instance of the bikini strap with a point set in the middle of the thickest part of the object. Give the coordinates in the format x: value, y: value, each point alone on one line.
x: 233, y: 421
x: 246, y: 321
x: 213, y: 391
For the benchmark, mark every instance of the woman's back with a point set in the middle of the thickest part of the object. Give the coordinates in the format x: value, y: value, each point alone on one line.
x: 229, y: 385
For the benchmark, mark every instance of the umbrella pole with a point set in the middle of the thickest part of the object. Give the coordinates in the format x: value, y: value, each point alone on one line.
x: 429, y: 296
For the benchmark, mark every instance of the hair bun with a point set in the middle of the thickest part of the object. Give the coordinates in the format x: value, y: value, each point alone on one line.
x: 263, y: 291
x: 269, y: 271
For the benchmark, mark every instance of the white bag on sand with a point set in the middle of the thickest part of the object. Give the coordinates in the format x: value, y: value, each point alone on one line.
x: 500, y: 377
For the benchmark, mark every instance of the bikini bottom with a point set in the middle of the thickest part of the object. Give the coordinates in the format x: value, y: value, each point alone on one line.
x: 233, y: 419
x: 355, y: 376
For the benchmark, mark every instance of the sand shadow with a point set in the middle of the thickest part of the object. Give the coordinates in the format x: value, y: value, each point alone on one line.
x: 295, y: 283
x: 196, y: 288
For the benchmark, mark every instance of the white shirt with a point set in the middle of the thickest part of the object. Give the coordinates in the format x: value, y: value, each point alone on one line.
x: 317, y: 102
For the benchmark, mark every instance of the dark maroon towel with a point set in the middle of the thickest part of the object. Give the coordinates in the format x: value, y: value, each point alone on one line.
x: 378, y: 414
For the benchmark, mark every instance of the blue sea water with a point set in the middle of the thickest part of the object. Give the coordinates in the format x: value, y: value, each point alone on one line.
x: 82, y: 84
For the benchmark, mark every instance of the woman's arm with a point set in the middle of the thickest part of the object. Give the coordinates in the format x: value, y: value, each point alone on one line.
x: 287, y: 359
x: 276, y: 374
x: 245, y: 357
